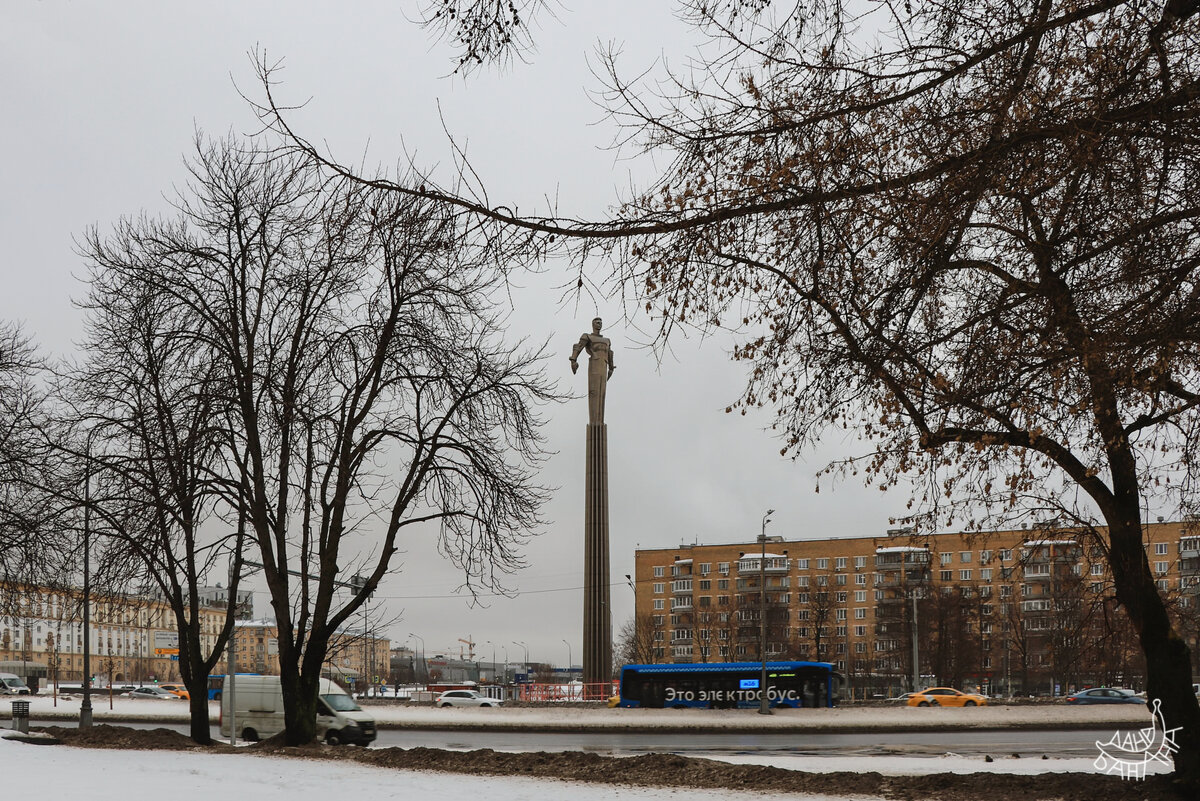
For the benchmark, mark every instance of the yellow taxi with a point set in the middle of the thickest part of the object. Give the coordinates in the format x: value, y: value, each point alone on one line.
x: 945, y: 696
x: 176, y: 689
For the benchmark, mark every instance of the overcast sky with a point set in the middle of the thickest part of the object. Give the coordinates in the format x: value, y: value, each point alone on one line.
x: 100, y: 103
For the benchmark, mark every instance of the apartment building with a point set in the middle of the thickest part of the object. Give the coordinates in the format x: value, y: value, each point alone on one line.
x: 1009, y: 611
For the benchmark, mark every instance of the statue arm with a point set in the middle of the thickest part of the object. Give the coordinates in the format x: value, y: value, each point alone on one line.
x: 611, y: 364
x: 579, y: 346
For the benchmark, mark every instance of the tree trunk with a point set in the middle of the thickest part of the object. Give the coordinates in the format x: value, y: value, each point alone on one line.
x: 1168, y: 660
x: 201, y: 730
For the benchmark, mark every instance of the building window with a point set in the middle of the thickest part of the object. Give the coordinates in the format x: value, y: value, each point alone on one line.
x: 860, y: 596
x: 722, y: 584
x: 706, y: 584
x: 659, y: 587
x: 841, y: 614
x: 1160, y: 567
x: 964, y: 575
x: 985, y: 557
x: 840, y: 597
x: 1006, y: 555
x: 860, y: 613
x: 860, y: 631
x: 1097, y: 569
x: 801, y: 581
x: 706, y: 600
x: 822, y: 581
x: 860, y: 647
x: 860, y: 562
x: 946, y: 575
x: 945, y: 558
x: 840, y: 563
x: 659, y: 571
x: 723, y: 568
x: 660, y: 603
x: 823, y: 564
x: 802, y: 564
x: 705, y: 568
x: 722, y: 600
x: 1160, y: 549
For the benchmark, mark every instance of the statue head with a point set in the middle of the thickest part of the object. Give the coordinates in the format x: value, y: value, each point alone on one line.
x: 597, y: 323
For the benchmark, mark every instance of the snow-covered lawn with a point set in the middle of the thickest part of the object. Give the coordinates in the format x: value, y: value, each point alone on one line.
x: 39, y: 771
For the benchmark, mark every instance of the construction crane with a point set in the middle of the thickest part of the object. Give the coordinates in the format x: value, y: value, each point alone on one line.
x: 470, y: 648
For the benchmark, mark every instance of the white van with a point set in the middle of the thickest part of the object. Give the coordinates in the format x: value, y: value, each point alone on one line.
x: 11, y: 684
x: 259, y: 702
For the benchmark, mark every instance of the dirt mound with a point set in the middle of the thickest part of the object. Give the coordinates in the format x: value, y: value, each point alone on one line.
x: 105, y: 736
x: 667, y: 770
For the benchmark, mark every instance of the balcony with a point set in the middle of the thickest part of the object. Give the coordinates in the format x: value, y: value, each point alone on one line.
x: 1046, y: 551
x: 775, y: 564
x: 681, y: 586
x: 1189, y: 548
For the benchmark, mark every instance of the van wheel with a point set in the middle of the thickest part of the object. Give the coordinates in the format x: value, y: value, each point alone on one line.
x: 333, y: 738
x: 249, y: 735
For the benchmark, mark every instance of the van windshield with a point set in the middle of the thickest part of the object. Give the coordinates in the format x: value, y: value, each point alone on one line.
x: 15, y: 684
x: 340, y: 702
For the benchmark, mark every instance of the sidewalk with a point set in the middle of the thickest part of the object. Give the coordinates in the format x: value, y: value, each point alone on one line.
x: 569, y: 718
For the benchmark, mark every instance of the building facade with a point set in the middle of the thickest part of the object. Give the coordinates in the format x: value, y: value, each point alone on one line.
x: 352, y: 656
x: 42, y: 629
x: 1022, y: 611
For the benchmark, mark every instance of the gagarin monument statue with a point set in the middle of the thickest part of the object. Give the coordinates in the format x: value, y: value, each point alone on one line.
x: 597, y: 614
x: 600, y: 368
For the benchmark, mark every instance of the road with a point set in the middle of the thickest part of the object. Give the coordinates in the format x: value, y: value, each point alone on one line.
x: 1072, y: 743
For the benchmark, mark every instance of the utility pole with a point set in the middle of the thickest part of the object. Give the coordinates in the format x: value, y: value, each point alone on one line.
x: 764, y: 704
x: 916, y: 661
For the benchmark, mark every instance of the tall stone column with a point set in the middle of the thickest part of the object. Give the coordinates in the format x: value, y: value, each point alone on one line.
x: 597, y: 614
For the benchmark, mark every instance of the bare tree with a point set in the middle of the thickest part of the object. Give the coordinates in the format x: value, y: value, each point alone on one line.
x: 151, y: 404
x: 635, y: 642
x: 362, y: 386
x: 33, y: 535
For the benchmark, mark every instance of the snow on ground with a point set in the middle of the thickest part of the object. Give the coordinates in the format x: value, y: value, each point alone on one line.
x: 567, y: 717
x: 32, y: 771
x: 923, y: 766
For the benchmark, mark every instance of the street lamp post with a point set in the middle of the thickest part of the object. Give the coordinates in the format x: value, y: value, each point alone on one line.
x: 764, y: 706
x: 526, y: 647
x: 570, y: 662
x: 421, y: 659
x: 85, y: 708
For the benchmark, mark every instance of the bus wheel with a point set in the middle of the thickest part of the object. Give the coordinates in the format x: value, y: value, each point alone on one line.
x: 249, y: 735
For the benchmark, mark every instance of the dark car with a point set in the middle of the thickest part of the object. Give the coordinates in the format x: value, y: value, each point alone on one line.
x: 1104, y: 695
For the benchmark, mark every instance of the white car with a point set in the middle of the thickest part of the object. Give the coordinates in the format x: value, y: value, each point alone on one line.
x: 465, y: 698
x: 157, y: 693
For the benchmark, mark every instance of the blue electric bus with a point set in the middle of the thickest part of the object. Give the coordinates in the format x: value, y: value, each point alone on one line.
x: 728, y: 685
x: 216, y: 682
